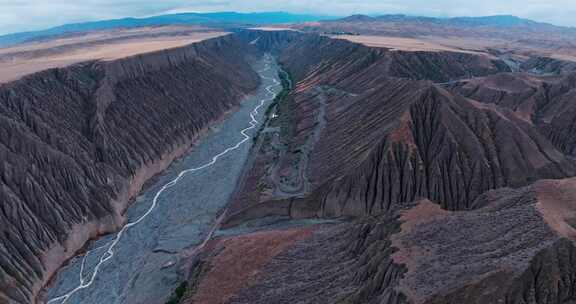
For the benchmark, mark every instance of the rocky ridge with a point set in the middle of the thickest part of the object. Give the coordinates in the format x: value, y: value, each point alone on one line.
x: 505, y: 252
x: 449, y: 191
x: 396, y: 136
x: 78, y: 144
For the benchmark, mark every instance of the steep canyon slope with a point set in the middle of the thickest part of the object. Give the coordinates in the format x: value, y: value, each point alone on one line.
x: 517, y: 249
x: 78, y: 143
x: 449, y: 174
x: 389, y: 134
x: 544, y: 101
x: 446, y: 188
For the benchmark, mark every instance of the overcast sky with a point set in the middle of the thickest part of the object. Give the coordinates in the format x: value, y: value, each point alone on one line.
x: 22, y: 15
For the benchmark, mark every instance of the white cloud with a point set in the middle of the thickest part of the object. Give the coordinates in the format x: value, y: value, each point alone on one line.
x: 20, y: 15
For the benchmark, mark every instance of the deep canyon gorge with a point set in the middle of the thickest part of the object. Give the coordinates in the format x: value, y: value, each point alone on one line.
x: 373, y: 176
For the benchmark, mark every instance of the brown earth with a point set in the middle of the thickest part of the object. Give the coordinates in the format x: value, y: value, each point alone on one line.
x: 238, y: 262
x: 29, y: 58
x: 505, y: 252
x: 450, y: 192
x: 404, y: 44
x: 522, y: 40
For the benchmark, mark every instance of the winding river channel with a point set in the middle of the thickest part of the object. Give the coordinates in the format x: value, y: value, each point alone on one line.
x: 172, y: 218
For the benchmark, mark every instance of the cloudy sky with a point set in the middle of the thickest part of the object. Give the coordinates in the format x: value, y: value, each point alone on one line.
x: 22, y: 15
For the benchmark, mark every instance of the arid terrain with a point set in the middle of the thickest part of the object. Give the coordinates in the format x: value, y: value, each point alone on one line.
x: 405, y: 44
x: 28, y: 58
x: 439, y: 176
x: 509, y: 36
x: 364, y: 160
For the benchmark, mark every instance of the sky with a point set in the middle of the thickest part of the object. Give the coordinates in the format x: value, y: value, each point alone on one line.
x: 24, y: 15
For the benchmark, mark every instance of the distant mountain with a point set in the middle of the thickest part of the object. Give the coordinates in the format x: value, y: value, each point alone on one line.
x: 356, y: 18
x: 214, y: 19
x: 499, y: 21
x: 492, y: 21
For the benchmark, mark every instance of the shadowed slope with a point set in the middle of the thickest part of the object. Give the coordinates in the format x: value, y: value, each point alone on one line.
x: 508, y: 251
x: 546, y: 102
x: 78, y: 143
x: 389, y: 139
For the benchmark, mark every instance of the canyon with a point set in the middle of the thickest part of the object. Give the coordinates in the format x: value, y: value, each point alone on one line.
x: 171, y: 219
x: 376, y: 170
x: 427, y: 185
x: 78, y: 145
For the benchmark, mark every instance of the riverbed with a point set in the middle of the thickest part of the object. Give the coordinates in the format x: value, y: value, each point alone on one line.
x: 142, y: 263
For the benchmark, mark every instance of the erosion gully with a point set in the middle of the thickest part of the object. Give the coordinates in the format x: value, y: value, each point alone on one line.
x: 172, y: 219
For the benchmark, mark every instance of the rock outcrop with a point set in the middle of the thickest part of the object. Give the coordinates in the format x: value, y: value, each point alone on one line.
x: 453, y: 192
x: 78, y: 143
x: 518, y: 248
x: 387, y: 138
x: 544, y: 101
x: 304, y: 52
x: 549, y: 66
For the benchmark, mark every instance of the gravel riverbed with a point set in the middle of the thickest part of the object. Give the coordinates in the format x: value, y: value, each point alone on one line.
x: 144, y: 266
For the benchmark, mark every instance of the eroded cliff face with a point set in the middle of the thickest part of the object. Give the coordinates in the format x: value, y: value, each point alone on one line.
x: 452, y: 192
x: 306, y: 53
x: 445, y: 148
x: 78, y: 143
x: 518, y: 248
x: 544, y: 101
x: 548, y: 66
x: 383, y: 132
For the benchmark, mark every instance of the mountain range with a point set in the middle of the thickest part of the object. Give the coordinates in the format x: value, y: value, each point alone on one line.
x: 235, y: 19
x: 219, y: 19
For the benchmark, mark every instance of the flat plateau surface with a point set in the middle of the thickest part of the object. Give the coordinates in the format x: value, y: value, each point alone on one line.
x: 272, y: 28
x: 403, y: 44
x: 21, y: 60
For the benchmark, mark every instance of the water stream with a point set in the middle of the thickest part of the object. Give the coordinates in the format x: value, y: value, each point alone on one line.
x: 179, y: 213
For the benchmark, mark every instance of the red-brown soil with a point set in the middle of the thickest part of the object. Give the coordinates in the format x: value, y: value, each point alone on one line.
x: 238, y: 262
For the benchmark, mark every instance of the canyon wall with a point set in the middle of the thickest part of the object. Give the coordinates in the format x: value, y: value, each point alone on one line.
x: 78, y: 143
x: 384, y: 130
x: 453, y: 192
x: 303, y: 52
x: 517, y: 249
x: 544, y: 101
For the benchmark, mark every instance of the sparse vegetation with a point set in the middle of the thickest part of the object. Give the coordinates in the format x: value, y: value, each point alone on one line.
x: 187, y: 289
x: 286, y: 81
x: 178, y: 293
x: 262, y: 187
